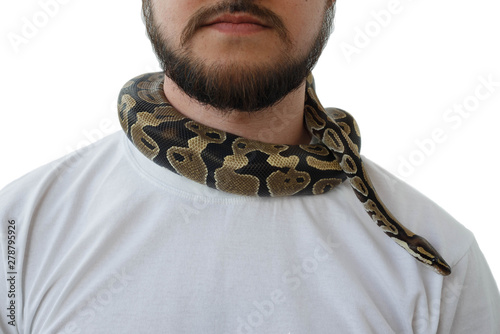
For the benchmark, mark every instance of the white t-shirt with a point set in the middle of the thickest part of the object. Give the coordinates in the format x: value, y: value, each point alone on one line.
x: 106, y: 241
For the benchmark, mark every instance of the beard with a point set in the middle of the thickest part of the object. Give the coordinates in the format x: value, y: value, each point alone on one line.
x: 235, y: 86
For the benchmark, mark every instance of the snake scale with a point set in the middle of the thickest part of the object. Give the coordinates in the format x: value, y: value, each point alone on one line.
x: 241, y: 166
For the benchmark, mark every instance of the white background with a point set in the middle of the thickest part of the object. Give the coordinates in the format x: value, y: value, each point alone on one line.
x: 59, y: 89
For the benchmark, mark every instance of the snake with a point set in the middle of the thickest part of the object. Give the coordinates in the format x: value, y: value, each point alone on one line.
x: 241, y: 166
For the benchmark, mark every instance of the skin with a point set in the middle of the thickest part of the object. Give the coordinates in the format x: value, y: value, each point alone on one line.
x: 252, y: 45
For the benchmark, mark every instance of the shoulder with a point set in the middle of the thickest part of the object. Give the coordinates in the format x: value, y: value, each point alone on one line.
x: 420, y: 214
x: 59, y: 176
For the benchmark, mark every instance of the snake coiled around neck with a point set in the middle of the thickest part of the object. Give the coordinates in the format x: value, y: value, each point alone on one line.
x: 237, y: 165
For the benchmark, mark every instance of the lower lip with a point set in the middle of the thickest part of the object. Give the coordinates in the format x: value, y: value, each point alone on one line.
x: 237, y: 28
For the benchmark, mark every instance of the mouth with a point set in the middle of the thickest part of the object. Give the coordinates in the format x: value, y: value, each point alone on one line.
x: 237, y: 19
x: 237, y: 24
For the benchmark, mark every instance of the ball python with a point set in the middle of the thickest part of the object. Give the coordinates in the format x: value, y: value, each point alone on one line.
x: 237, y: 165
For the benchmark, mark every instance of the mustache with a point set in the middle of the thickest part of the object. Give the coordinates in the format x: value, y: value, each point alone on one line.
x: 207, y: 13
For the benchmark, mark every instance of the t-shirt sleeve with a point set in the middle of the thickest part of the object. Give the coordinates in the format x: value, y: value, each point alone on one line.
x: 470, y: 301
x: 13, y: 245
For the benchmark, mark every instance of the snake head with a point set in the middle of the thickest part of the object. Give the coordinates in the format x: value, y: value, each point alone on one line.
x: 440, y: 266
x: 423, y: 251
x: 428, y: 255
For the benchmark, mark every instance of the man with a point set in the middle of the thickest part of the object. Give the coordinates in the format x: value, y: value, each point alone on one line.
x: 118, y: 238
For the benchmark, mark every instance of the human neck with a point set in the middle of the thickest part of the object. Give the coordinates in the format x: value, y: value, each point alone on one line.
x: 282, y: 123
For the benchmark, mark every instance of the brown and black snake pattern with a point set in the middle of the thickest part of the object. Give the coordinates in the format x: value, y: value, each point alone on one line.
x: 247, y: 167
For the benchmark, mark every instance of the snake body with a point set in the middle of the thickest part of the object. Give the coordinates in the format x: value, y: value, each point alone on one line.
x: 233, y: 164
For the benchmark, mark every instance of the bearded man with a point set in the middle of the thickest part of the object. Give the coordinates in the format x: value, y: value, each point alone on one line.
x: 203, y: 217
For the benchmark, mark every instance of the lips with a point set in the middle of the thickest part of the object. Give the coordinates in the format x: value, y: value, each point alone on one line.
x: 236, y: 19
